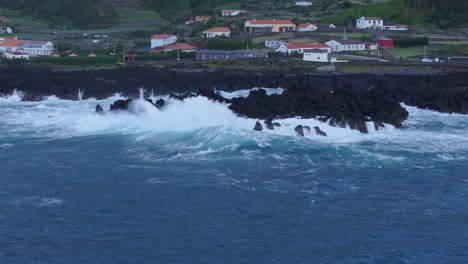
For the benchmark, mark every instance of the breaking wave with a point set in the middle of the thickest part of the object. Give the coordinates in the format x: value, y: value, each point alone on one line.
x: 198, y: 120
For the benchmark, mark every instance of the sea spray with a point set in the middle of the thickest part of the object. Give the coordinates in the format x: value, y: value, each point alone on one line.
x: 142, y: 91
x: 80, y: 94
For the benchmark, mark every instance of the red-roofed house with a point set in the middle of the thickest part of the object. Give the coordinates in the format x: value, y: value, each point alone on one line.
x: 217, y: 32
x: 160, y: 40
x: 184, y: 47
x: 268, y: 26
x: 341, y: 45
x: 369, y: 23
x: 10, y: 44
x: 299, y: 48
x: 306, y: 27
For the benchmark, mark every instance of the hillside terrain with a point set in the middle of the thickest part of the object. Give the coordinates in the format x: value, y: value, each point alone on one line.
x: 87, y: 14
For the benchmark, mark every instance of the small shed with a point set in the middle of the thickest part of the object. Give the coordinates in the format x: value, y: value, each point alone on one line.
x: 385, y: 42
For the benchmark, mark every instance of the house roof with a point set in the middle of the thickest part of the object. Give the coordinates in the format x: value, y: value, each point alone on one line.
x: 181, y: 46
x: 161, y: 36
x: 230, y: 11
x: 373, y: 18
x: 292, y: 46
x: 270, y: 22
x: 55, y: 55
x: 153, y: 51
x: 11, y: 42
x: 217, y: 30
x: 72, y: 55
x: 92, y: 55
x: 315, y: 51
x: 304, y: 25
x: 349, y: 41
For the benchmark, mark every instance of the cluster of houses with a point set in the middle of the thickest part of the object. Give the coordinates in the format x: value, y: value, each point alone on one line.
x: 14, y: 48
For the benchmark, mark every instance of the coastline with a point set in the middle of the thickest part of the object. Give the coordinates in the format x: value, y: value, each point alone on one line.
x: 338, y: 98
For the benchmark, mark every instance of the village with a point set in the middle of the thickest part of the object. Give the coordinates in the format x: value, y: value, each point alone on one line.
x: 235, y: 34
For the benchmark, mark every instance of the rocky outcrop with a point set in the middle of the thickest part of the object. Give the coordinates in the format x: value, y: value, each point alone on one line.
x: 258, y: 126
x: 319, y: 132
x: 342, y: 106
x: 339, y: 99
x: 99, y: 109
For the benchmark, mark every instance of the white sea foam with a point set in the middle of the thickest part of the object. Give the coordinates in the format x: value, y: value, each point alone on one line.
x: 218, y: 126
x: 245, y: 93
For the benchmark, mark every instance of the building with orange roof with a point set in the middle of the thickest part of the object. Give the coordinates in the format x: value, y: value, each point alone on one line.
x: 202, y: 18
x: 306, y: 27
x: 184, y: 47
x: 161, y: 40
x: 10, y: 44
x: 72, y: 55
x: 217, y: 32
x: 269, y: 26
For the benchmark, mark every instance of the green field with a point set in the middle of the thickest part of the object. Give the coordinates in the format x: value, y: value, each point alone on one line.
x: 137, y: 14
x: 349, y: 35
x: 393, y: 10
x: 409, y: 52
x: 16, y: 19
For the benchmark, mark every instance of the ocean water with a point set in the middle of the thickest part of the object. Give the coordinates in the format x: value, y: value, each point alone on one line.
x: 194, y: 184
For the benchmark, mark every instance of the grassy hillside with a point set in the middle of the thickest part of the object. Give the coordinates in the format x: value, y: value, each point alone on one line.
x: 447, y: 13
x: 180, y: 9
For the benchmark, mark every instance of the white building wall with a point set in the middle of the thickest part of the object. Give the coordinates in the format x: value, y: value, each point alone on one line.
x: 362, y: 23
x: 163, y: 42
x: 308, y: 29
x: 216, y: 34
x: 317, y: 57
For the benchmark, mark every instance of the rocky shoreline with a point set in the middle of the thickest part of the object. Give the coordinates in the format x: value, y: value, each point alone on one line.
x: 336, y: 98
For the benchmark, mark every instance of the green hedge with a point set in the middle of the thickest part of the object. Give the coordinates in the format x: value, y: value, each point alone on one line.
x: 411, y: 42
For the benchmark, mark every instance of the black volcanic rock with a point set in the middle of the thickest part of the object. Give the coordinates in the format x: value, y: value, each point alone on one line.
x: 160, y: 103
x: 99, y: 109
x: 319, y: 132
x: 258, y: 126
x: 120, y: 105
x: 339, y: 99
x: 269, y: 124
x: 299, y: 131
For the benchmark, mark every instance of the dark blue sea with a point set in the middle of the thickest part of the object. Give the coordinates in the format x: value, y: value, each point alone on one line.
x: 194, y: 183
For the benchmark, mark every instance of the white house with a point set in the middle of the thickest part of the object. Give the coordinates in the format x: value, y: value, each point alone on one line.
x: 303, y: 3
x: 217, y: 32
x: 274, y: 44
x: 299, y: 48
x: 341, y: 45
x: 306, y: 27
x: 38, y: 47
x: 15, y: 55
x: 160, y: 40
x: 397, y: 27
x: 10, y: 44
x: 228, y: 13
x: 369, y: 23
x: 317, y: 55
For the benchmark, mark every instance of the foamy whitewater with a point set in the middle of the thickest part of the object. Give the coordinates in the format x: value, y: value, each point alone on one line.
x: 193, y: 183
